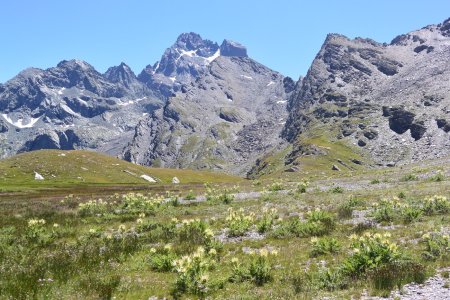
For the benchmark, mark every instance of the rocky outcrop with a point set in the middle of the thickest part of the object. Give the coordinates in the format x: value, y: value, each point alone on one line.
x: 390, y: 101
x: 231, y: 48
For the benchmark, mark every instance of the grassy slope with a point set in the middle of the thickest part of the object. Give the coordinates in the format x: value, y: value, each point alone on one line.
x: 65, y: 168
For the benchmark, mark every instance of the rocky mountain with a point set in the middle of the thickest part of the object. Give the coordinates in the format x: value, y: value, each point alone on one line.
x: 388, y: 102
x: 72, y: 106
x: 210, y: 106
x: 201, y: 106
x: 224, y: 111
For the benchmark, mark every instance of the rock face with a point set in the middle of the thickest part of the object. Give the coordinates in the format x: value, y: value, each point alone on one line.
x: 388, y: 101
x: 230, y: 48
x: 73, y: 106
x: 229, y: 116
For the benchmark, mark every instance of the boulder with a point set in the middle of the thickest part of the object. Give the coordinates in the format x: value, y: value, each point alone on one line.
x: 335, y: 168
x: 175, y: 180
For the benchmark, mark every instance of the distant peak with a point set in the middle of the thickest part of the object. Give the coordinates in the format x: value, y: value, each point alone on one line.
x: 192, y: 41
x: 231, y: 48
x: 74, y: 64
x: 120, y: 73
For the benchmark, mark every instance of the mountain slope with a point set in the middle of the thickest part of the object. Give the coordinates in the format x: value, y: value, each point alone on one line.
x: 224, y: 112
x: 87, y: 167
x: 388, y: 102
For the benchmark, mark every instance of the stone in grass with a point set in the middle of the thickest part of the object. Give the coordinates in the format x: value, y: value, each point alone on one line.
x: 335, y: 168
x: 38, y: 176
x: 293, y: 169
x: 175, y: 180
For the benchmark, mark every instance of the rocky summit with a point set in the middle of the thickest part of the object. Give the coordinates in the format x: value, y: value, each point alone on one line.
x: 210, y: 106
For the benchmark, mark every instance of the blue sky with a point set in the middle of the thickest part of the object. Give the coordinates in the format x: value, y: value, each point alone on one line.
x: 284, y: 35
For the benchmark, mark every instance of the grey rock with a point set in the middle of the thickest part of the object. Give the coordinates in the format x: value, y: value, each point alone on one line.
x: 231, y: 48
x: 335, y: 168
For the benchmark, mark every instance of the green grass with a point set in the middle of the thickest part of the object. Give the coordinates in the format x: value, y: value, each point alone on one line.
x: 108, y: 253
x: 79, y: 167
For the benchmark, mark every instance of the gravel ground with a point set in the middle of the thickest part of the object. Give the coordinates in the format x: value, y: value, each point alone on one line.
x: 435, y: 288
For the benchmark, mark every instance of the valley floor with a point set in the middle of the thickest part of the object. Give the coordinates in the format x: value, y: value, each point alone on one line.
x: 347, y: 236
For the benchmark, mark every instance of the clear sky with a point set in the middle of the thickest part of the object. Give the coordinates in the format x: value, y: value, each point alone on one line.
x: 284, y: 35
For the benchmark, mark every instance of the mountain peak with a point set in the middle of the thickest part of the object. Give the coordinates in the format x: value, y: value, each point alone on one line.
x: 121, y: 73
x: 75, y: 64
x: 231, y: 48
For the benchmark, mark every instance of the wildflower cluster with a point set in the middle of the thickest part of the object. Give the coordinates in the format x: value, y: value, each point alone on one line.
x: 369, y: 251
x: 238, y: 222
x: 192, y: 273
x: 301, y: 186
x: 267, y: 220
x: 437, y: 245
x: 386, y: 209
x: 436, y: 205
x: 258, y: 271
x: 139, y: 203
x: 225, y: 195
x: 94, y: 207
x: 162, y: 259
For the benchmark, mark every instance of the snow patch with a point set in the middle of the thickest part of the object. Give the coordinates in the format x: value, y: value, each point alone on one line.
x: 156, y: 68
x: 60, y: 92
x: 187, y: 53
x: 19, y: 122
x: 281, y: 101
x: 38, y: 176
x: 125, y: 103
x: 173, y: 78
x: 69, y: 110
x: 270, y: 83
x: 247, y: 77
x: 148, y: 178
x: 214, y: 56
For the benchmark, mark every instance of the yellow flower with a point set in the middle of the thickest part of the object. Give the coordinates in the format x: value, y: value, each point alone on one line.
x: 152, y: 250
x: 168, y: 247
x: 92, y: 231
x: 139, y: 221
x: 204, y: 278
x: 209, y: 232
x: 274, y: 252
x: 263, y: 252
x: 212, y: 251
x: 314, y: 240
x: 426, y: 236
x: 56, y: 225
x: 141, y: 215
x: 235, y: 260
x: 122, y: 228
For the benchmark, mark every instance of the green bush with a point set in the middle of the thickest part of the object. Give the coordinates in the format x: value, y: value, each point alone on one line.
x: 162, y: 259
x: 324, y: 246
x: 337, y: 190
x: 437, y: 245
